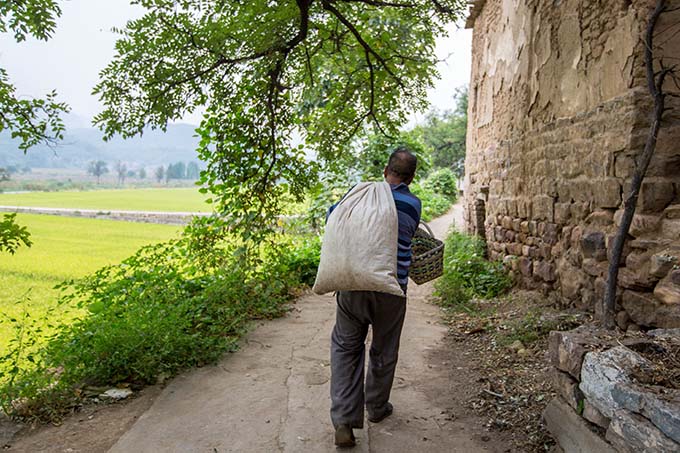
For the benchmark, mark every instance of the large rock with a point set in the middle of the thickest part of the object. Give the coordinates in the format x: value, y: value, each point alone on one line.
x: 645, y: 310
x: 641, y: 224
x: 545, y: 271
x: 567, y: 387
x: 663, y: 410
x: 601, y: 371
x: 567, y: 349
x: 663, y: 262
x: 667, y: 291
x: 670, y: 228
x: 632, y: 433
x: 665, y: 334
x: 655, y: 195
x: 593, y: 246
x: 636, y: 279
x: 593, y: 415
x: 571, y: 432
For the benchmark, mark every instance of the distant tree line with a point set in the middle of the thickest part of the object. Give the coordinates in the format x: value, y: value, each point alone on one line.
x: 7, y: 172
x: 177, y: 170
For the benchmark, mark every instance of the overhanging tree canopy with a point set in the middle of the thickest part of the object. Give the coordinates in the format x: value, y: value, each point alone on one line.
x: 32, y: 121
x: 264, y: 71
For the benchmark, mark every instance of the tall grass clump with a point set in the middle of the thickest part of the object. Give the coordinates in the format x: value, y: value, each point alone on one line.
x: 467, y: 273
x: 170, y: 306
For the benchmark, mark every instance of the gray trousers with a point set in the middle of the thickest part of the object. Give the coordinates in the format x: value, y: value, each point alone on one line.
x: 355, y: 311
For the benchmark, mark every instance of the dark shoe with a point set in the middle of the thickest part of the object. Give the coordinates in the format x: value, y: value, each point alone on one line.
x: 344, y: 437
x: 382, y: 415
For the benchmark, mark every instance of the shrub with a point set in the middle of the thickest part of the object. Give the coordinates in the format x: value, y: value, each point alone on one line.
x: 298, y: 258
x: 467, y: 273
x: 443, y: 182
x: 170, y: 306
x: 434, y: 204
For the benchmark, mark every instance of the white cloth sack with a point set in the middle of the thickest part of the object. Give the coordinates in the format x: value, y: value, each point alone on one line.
x: 359, y: 248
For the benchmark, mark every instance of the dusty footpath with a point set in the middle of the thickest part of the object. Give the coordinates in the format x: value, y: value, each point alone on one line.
x: 273, y: 394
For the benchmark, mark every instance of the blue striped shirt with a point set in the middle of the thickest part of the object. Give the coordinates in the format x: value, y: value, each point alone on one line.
x: 409, y: 209
x: 408, y: 212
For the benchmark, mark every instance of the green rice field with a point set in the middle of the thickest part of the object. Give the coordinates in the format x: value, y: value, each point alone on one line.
x: 65, y: 248
x: 166, y: 200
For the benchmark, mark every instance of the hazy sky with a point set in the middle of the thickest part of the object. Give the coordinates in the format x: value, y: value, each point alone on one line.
x: 83, y: 45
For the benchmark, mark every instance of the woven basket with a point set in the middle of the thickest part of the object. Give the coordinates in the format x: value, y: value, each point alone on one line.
x: 427, y: 259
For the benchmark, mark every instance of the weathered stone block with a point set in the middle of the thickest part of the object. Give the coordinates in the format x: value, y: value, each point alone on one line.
x: 645, y: 310
x: 655, y: 195
x: 594, y: 268
x: 641, y: 224
x: 601, y: 371
x: 593, y: 415
x: 622, y: 320
x: 509, y: 236
x: 571, y: 432
x: 665, y: 334
x: 543, y: 207
x: 662, y: 409
x: 636, y: 279
x: 533, y: 226
x: 567, y: 349
x: 600, y: 219
x: 672, y: 212
x: 624, y: 166
x: 524, y: 227
x: 567, y: 387
x: 670, y: 228
x: 580, y: 210
x: 636, y: 259
x: 572, y: 281
x: 608, y: 194
x: 515, y: 248
x: 551, y: 233
x: 545, y: 270
x: 661, y: 263
x: 667, y: 291
x: 525, y: 266
x: 632, y: 433
x: 593, y: 246
x: 562, y: 213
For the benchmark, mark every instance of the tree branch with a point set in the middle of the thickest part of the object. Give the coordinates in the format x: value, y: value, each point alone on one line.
x: 329, y: 7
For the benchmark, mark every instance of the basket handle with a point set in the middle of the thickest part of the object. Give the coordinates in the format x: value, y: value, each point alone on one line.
x: 427, y: 228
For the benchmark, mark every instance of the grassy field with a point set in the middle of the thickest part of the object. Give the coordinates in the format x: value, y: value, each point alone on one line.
x: 171, y: 200
x: 65, y: 248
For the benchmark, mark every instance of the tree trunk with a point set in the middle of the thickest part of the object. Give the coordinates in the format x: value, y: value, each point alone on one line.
x: 655, y: 86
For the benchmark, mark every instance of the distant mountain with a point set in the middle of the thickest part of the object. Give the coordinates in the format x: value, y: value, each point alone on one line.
x: 82, y: 145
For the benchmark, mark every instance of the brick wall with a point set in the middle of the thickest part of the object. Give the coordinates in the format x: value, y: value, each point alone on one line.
x: 558, y: 111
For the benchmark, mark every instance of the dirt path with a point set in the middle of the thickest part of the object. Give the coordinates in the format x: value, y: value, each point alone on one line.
x: 273, y: 394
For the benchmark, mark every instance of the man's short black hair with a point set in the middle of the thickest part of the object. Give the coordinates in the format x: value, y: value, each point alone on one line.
x: 402, y: 163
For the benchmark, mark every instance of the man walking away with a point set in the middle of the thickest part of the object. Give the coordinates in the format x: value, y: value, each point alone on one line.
x: 385, y: 312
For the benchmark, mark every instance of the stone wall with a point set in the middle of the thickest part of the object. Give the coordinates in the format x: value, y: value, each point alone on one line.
x: 558, y: 111
x: 610, y: 397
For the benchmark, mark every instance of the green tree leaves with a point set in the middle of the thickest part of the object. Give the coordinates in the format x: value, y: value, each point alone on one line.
x: 321, y: 70
x: 32, y: 121
x: 12, y: 235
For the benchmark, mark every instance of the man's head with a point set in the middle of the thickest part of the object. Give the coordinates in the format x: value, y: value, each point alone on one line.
x: 401, y: 167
